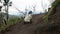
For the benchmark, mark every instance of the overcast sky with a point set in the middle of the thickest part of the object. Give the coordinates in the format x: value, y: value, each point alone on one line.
x: 41, y: 5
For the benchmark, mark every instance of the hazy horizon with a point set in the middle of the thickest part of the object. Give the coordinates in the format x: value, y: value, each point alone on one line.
x: 41, y: 5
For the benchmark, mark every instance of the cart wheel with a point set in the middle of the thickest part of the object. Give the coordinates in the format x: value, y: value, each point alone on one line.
x: 24, y: 22
x: 31, y: 21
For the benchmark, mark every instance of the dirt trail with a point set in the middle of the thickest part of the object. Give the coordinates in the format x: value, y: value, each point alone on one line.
x: 21, y: 28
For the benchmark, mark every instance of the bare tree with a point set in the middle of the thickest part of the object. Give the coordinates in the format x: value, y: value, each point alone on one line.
x: 6, y: 7
x: 34, y: 8
x: 1, y: 16
x: 18, y: 10
x: 5, y: 15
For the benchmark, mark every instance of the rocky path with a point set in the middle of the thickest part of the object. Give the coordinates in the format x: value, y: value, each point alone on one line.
x: 21, y: 28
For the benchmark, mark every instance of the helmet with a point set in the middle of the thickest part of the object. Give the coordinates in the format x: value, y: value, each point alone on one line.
x: 30, y: 12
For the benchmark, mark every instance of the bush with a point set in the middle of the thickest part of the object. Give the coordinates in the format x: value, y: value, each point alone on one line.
x: 11, y: 21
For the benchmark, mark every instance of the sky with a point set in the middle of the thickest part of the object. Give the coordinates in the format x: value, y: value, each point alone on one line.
x: 41, y: 5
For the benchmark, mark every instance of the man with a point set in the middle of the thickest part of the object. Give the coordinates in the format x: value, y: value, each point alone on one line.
x: 28, y: 18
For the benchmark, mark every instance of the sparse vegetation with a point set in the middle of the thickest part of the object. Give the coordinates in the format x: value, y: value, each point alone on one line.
x: 43, y: 25
x: 11, y: 21
x: 49, y: 12
x: 54, y: 24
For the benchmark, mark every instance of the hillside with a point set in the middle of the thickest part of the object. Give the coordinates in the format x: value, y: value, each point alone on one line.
x: 47, y: 23
x: 53, y: 18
